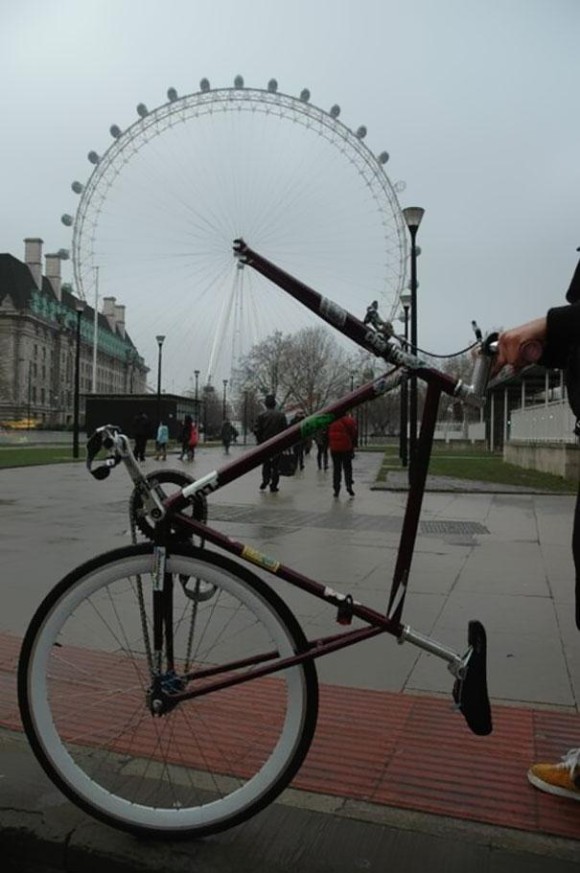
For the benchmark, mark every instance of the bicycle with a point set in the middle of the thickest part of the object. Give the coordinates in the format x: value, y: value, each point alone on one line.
x: 165, y: 688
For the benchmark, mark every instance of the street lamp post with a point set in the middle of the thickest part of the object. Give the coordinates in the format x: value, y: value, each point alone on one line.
x: 196, y: 374
x: 413, y: 216
x: 76, y: 407
x: 245, y: 415
x: 29, y: 411
x: 160, y: 341
x: 405, y: 299
x: 224, y: 400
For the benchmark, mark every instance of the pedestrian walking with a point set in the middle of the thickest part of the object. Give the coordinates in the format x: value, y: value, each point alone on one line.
x: 298, y: 448
x: 161, y: 442
x: 140, y: 435
x: 321, y: 440
x: 342, y: 441
x: 269, y: 423
x: 227, y: 435
x: 189, y: 439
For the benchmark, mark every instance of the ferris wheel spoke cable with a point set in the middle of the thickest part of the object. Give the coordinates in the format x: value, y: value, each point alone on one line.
x: 222, y: 327
x: 160, y: 211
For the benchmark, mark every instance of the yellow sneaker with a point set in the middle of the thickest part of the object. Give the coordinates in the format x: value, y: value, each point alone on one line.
x: 562, y: 779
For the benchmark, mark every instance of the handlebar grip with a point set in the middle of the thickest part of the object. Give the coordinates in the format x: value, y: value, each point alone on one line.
x: 531, y: 351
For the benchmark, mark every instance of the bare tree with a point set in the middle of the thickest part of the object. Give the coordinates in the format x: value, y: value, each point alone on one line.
x: 316, y: 369
x: 308, y: 368
x: 263, y: 367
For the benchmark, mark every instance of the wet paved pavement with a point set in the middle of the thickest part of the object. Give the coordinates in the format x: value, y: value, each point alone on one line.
x: 501, y: 557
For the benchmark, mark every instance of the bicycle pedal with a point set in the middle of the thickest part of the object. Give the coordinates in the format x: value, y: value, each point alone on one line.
x: 470, y: 692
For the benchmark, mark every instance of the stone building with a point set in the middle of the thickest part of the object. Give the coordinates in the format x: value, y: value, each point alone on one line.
x: 40, y: 319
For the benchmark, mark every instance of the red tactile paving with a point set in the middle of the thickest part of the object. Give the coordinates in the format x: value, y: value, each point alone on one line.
x: 415, y: 752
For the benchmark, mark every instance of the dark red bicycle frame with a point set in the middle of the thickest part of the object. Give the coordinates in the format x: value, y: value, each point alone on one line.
x: 390, y: 622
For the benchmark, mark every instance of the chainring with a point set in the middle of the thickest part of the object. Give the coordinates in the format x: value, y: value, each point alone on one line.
x: 197, y: 508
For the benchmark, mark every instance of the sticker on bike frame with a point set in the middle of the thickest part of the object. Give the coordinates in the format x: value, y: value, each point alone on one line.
x: 205, y: 485
x: 387, y: 383
x: 159, y: 562
x: 376, y: 340
x: 315, y: 422
x: 331, y: 594
x: 332, y: 312
x: 261, y: 560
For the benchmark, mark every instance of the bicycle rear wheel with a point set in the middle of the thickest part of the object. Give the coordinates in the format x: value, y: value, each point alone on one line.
x: 210, y: 762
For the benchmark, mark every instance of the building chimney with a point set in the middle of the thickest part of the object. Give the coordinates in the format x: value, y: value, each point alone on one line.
x: 33, y: 258
x: 120, y: 319
x: 53, y: 274
x: 109, y: 311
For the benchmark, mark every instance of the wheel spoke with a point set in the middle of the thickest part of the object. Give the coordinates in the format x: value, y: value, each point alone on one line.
x: 203, y: 764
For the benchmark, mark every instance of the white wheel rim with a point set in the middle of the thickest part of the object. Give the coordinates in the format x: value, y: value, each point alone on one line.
x: 99, y: 797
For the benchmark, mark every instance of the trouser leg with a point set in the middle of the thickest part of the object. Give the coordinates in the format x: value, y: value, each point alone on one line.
x: 336, y: 470
x: 347, y: 465
x: 576, y: 556
x: 275, y: 473
x: 266, y: 471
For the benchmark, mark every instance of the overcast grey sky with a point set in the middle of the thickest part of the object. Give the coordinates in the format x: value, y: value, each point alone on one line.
x: 476, y: 102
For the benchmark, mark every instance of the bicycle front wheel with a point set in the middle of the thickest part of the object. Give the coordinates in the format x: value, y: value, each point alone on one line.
x: 84, y: 689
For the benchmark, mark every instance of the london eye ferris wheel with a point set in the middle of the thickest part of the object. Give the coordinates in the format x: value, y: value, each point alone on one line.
x: 156, y: 219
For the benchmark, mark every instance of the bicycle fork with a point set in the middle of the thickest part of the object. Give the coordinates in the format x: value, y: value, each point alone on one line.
x: 470, y: 687
x: 164, y: 679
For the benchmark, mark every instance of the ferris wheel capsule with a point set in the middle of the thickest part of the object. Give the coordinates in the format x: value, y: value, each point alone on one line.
x: 142, y: 110
x: 172, y: 95
x: 77, y: 187
x: 115, y: 131
x: 93, y: 158
x: 204, y: 85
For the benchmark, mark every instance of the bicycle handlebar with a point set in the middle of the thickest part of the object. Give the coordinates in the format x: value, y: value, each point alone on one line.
x: 375, y: 335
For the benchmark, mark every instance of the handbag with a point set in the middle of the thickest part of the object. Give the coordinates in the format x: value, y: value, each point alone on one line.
x: 287, y: 463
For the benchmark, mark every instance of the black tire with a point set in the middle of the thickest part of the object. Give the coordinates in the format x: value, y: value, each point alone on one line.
x: 209, y: 763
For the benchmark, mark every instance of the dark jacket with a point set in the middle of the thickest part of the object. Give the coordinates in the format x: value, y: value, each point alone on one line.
x: 268, y: 424
x: 141, y: 425
x: 562, y: 349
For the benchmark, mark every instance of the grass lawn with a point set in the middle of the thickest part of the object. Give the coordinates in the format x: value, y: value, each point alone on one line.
x: 26, y: 456
x: 469, y: 462
x: 461, y: 462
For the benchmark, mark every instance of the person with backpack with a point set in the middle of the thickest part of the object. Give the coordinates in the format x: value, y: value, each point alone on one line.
x: 342, y: 441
